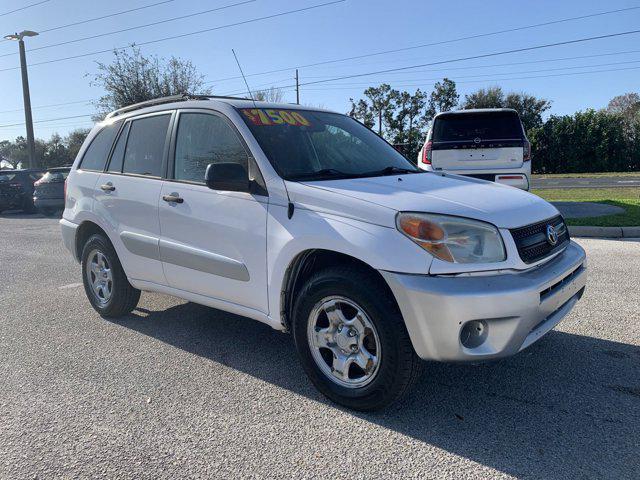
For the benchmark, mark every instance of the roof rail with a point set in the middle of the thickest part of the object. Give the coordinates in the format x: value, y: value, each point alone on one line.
x: 170, y: 99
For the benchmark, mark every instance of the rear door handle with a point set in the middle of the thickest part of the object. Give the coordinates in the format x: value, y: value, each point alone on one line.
x: 107, y: 187
x: 172, y: 198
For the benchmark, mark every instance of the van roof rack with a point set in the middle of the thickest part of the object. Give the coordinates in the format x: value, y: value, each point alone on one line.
x: 170, y: 99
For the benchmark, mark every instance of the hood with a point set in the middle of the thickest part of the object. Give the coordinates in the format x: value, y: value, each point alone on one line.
x: 503, y: 206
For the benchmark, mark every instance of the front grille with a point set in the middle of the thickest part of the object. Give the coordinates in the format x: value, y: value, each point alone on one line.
x: 532, y: 240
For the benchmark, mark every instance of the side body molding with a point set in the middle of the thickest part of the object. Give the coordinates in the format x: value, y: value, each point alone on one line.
x: 142, y: 245
x: 202, y: 260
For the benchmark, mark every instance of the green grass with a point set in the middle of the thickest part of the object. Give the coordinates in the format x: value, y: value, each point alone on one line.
x: 627, y: 198
x: 586, y: 175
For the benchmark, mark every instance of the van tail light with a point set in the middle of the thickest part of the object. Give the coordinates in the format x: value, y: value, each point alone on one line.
x: 426, y: 153
x: 526, y: 151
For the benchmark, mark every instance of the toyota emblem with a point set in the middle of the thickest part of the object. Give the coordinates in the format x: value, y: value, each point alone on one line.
x: 552, y: 235
x: 477, y: 140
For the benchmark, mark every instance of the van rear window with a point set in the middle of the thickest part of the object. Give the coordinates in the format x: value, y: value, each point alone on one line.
x: 469, y: 126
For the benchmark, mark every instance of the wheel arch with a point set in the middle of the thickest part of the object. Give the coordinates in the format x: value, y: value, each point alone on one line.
x: 312, y: 260
x: 85, y: 230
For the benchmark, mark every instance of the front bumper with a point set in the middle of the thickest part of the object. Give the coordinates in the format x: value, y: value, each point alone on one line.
x: 516, y: 309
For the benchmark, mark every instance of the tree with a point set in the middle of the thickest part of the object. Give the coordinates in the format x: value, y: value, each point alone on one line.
x: 133, y: 78
x: 590, y: 141
x: 492, y: 97
x: 271, y: 94
x: 406, y: 120
x: 74, y: 141
x: 8, y: 153
x: 529, y: 108
x: 443, y: 98
x: 55, y: 153
x: 627, y: 105
x: 380, y: 101
x: 361, y: 111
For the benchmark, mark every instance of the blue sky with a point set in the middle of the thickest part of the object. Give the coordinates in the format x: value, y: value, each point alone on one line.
x: 347, y: 29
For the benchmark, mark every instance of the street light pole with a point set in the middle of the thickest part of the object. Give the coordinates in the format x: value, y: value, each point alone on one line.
x: 31, y: 146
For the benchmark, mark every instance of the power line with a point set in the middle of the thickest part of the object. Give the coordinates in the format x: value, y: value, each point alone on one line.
x: 473, y: 57
x: 442, y: 42
x: 48, y: 120
x: 23, y: 8
x: 506, y: 73
x: 115, y: 14
x: 290, y: 87
x: 510, y: 64
x: 172, y: 19
x: 47, y: 106
x: 281, y: 80
x: 328, y: 88
x: 173, y: 37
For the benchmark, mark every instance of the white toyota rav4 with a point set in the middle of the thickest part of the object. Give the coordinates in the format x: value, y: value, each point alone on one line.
x: 309, y: 222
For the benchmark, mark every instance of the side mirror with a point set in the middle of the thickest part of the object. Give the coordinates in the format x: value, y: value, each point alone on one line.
x: 228, y: 176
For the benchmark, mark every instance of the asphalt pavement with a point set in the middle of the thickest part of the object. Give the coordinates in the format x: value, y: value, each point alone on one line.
x: 586, y: 182
x: 177, y: 390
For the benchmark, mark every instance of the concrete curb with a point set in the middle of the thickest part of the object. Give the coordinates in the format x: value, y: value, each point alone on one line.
x: 605, y: 232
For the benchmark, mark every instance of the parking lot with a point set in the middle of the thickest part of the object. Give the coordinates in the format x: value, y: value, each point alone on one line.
x: 181, y: 390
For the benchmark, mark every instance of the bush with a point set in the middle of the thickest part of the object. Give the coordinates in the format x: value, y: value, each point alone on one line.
x: 589, y: 141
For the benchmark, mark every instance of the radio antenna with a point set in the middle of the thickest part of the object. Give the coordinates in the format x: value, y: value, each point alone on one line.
x: 244, y: 78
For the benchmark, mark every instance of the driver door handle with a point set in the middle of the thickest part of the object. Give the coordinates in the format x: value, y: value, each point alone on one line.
x: 107, y: 187
x: 172, y: 199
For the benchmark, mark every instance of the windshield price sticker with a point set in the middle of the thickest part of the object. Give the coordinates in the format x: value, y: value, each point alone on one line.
x: 266, y: 117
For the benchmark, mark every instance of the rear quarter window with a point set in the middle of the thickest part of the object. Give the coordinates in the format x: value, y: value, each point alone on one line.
x: 96, y: 155
x: 485, y: 126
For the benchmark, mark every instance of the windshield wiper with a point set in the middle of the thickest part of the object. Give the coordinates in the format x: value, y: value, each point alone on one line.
x: 391, y: 171
x: 325, y: 173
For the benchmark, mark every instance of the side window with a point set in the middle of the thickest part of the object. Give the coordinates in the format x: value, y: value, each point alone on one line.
x: 117, y: 157
x: 203, y: 139
x: 96, y: 155
x: 145, y: 146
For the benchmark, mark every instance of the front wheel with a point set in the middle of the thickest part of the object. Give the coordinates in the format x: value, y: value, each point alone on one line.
x: 105, y: 282
x: 352, y: 340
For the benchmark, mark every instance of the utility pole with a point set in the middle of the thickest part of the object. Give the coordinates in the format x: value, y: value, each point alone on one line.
x: 297, y: 88
x: 25, y: 93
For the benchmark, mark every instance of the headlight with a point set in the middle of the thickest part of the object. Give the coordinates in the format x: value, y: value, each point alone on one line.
x: 453, y: 239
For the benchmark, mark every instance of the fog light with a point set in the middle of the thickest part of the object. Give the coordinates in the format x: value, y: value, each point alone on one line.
x: 474, y: 333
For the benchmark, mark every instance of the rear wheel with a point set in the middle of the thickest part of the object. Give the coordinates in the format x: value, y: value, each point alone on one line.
x: 105, y: 282
x: 352, y: 340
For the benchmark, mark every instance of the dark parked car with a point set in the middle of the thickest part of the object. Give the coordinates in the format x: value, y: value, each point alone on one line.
x: 16, y: 189
x: 48, y: 196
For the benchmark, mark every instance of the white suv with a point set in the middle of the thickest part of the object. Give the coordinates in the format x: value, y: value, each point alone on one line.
x: 489, y: 144
x: 309, y: 222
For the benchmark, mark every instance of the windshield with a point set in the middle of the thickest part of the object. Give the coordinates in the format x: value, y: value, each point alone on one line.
x: 312, y: 145
x: 55, y: 176
x: 469, y: 126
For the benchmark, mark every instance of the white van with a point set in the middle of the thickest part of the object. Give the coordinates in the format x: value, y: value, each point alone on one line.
x: 307, y: 221
x: 489, y: 144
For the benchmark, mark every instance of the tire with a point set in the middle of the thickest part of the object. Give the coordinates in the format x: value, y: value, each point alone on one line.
x: 121, y: 298
x: 396, y: 368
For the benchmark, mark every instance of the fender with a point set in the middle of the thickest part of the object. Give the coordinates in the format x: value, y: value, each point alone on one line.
x: 382, y: 248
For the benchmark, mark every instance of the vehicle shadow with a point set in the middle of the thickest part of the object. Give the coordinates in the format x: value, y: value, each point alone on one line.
x: 569, y: 406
